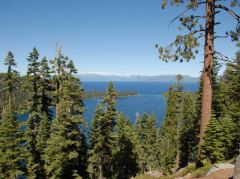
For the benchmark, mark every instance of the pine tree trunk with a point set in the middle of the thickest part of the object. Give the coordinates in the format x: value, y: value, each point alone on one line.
x: 207, y: 71
x: 100, y: 172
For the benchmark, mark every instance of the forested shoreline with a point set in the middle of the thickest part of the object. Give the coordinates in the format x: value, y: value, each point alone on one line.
x: 57, y: 146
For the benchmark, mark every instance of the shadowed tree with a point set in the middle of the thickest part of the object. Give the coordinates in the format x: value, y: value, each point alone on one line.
x: 169, y: 131
x: 188, y: 131
x: 125, y: 155
x: 31, y: 87
x: 102, y: 136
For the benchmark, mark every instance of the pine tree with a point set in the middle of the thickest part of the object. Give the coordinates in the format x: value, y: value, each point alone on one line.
x: 232, y: 88
x: 188, y: 132
x: 141, y: 133
x: 45, y: 88
x: 185, y: 46
x: 125, y: 156
x: 152, y: 139
x: 65, y: 155
x: 10, y: 80
x: 218, y: 143
x: 33, y: 108
x: 45, y: 103
x: 229, y: 97
x: 216, y: 90
x: 59, y: 67
x: 146, y: 132
x: 96, y: 143
x: 102, y: 136
x: 169, y: 132
x: 11, y: 153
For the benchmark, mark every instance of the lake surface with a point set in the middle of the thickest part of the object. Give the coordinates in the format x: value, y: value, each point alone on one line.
x: 150, y: 98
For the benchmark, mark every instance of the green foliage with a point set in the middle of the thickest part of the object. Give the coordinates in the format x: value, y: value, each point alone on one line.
x: 231, y: 88
x: 102, y: 136
x: 192, y: 25
x: 216, y: 103
x: 146, y: 133
x: 169, y: 132
x: 11, y: 153
x: 45, y: 88
x: 228, y: 96
x: 125, y: 155
x: 33, y: 107
x: 57, y: 147
x: 66, y: 148
x: 10, y: 81
x: 218, y: 142
x: 66, y: 152
x: 188, y: 131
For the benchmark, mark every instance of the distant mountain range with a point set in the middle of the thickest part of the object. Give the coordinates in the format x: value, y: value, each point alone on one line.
x: 161, y: 78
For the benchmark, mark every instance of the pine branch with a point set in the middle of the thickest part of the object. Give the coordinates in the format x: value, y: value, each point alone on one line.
x: 222, y: 57
x: 197, y: 31
x: 236, y: 16
x: 221, y: 36
x: 179, y: 15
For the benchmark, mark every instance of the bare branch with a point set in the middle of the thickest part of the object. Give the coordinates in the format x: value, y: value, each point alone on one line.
x: 197, y: 31
x: 201, y: 2
x: 178, y: 16
x: 236, y: 16
x: 221, y: 36
x: 222, y: 57
x: 199, y: 16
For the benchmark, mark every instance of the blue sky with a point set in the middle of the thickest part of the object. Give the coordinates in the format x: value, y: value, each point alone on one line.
x: 101, y: 36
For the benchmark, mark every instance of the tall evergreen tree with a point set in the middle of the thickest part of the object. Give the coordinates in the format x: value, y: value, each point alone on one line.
x: 65, y: 155
x: 96, y: 143
x: 59, y: 67
x: 188, y: 132
x: 169, y: 132
x: 231, y: 80
x: 11, y: 154
x: 216, y: 89
x: 185, y: 46
x: 229, y: 97
x: 45, y: 88
x: 32, y: 85
x: 146, y: 132
x: 10, y: 80
x: 102, y: 136
x: 125, y: 156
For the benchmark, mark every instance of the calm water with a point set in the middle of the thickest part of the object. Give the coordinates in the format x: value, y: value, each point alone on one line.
x: 150, y: 98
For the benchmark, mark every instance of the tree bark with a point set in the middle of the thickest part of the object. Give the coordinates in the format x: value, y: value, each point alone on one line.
x: 207, y: 70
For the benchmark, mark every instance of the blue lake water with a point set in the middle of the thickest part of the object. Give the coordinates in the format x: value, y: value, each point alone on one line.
x: 150, y: 98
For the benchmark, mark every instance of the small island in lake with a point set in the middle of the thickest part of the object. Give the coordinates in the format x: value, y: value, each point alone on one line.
x: 100, y: 94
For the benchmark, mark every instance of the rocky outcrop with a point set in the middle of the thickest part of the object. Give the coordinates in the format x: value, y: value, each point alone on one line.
x: 155, y: 173
x: 237, y: 168
x: 220, y: 166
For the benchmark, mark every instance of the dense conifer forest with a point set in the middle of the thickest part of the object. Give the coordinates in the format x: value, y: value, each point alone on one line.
x: 57, y: 146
